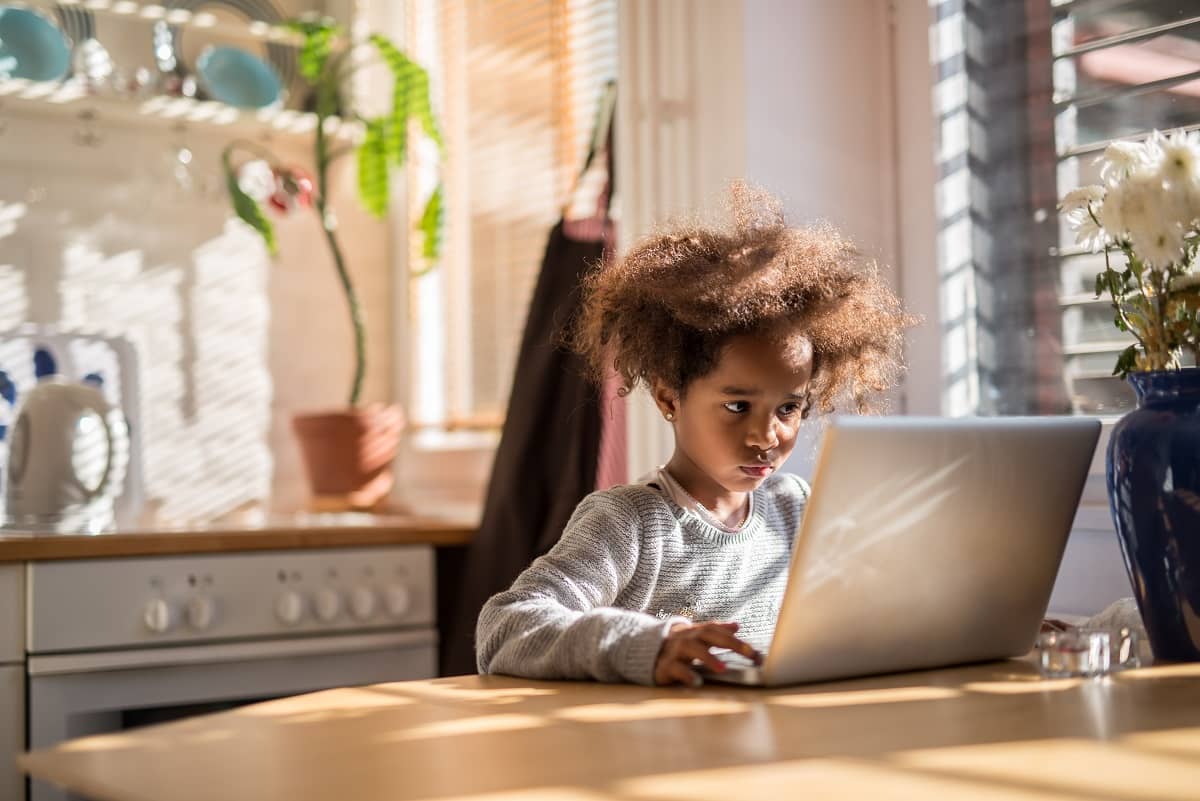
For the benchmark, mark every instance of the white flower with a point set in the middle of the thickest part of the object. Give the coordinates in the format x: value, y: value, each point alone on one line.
x: 1159, y: 245
x: 1120, y: 159
x: 1181, y: 202
x: 1087, y: 233
x: 1180, y: 154
x: 1081, y: 198
x: 1133, y: 206
x: 1078, y: 206
x: 256, y: 179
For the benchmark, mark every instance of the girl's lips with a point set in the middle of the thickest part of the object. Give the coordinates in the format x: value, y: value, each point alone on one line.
x: 757, y: 470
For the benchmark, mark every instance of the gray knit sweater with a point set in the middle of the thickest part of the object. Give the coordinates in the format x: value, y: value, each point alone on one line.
x: 630, y: 564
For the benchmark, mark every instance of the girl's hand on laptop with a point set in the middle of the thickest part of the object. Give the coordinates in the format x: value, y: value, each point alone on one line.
x: 686, y: 642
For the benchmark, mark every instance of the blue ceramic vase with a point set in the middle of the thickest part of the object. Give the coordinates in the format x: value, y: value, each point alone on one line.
x: 1154, y: 492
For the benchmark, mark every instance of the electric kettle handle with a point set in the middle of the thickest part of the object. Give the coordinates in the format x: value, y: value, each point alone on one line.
x: 102, y: 485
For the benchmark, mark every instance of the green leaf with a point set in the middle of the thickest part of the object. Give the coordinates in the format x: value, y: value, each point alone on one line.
x: 319, y: 35
x: 1101, y: 282
x: 420, y: 107
x: 1128, y: 282
x: 247, y: 209
x: 1136, y: 266
x: 314, y: 55
x: 410, y: 97
x: 1120, y: 323
x: 397, y: 139
x: 430, y: 226
x: 1126, y: 362
x: 373, y: 168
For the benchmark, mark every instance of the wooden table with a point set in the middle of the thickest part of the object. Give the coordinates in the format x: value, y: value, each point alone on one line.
x: 986, y: 733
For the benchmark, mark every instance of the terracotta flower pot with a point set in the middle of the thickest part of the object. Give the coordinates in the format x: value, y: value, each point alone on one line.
x: 348, y: 454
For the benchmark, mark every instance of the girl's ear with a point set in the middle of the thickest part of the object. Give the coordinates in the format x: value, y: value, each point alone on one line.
x: 666, y: 399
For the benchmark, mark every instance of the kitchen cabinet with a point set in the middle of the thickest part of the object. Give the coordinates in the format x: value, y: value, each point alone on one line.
x: 12, y: 678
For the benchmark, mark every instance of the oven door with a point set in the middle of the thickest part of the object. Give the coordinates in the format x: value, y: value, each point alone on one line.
x: 72, y: 695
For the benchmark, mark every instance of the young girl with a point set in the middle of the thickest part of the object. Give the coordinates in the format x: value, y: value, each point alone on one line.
x: 738, y: 333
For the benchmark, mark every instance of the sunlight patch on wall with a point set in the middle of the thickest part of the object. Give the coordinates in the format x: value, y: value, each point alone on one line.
x: 201, y: 338
x: 14, y: 302
x: 10, y: 215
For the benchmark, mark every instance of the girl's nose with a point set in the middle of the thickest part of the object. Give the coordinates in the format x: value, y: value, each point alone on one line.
x: 764, y: 437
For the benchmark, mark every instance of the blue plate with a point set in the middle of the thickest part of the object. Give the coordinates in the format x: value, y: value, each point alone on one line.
x: 31, y: 46
x: 238, y: 78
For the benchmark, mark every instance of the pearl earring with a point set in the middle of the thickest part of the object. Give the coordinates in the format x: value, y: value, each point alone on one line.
x: 670, y: 416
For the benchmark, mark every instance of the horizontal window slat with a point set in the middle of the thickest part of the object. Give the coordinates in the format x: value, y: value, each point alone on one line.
x: 1109, y: 346
x: 1132, y: 90
x: 1098, y: 147
x: 1082, y: 300
x: 1127, y: 37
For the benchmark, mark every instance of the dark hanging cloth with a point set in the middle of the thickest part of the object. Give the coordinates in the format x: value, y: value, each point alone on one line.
x: 549, y: 446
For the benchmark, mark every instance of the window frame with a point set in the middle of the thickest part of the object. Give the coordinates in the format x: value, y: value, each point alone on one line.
x: 926, y: 392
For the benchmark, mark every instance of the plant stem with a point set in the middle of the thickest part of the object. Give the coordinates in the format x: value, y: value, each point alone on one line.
x: 328, y: 226
x: 1116, y: 302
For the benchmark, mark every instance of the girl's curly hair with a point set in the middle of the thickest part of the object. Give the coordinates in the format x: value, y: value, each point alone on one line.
x: 665, y: 311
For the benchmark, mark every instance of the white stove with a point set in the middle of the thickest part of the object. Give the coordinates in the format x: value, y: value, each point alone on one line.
x: 117, y: 643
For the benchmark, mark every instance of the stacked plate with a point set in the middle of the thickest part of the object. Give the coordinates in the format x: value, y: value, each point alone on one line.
x: 32, y: 46
x: 236, y: 75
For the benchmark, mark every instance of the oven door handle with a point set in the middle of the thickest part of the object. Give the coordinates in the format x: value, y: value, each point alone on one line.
x: 60, y: 664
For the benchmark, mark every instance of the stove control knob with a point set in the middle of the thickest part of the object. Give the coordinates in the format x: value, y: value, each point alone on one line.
x: 362, y: 602
x: 200, y: 612
x: 157, y: 616
x: 397, y: 599
x: 289, y: 607
x: 328, y: 604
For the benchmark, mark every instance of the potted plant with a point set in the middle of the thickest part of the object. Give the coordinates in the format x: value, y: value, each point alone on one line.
x: 348, y: 452
x: 1147, y: 214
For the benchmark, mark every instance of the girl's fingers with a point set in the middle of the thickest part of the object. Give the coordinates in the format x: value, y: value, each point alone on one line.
x: 690, y: 643
x: 694, y: 649
x: 679, y: 673
x: 723, y: 639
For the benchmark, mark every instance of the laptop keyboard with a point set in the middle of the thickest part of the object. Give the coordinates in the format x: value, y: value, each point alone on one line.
x: 734, y: 659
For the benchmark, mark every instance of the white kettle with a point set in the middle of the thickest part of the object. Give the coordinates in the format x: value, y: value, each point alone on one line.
x: 67, y: 457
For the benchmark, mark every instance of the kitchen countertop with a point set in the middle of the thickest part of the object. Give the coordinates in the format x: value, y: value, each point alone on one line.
x: 994, y: 731
x: 318, y: 530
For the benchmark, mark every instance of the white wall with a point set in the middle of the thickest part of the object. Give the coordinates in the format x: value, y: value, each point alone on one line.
x: 818, y: 111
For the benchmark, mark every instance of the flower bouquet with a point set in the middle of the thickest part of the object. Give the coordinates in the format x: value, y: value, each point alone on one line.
x: 1148, y: 209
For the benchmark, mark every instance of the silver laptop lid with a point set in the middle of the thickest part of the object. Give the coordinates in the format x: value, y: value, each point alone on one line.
x: 928, y: 542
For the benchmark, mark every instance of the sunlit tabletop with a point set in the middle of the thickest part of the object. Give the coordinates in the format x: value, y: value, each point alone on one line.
x: 984, y: 732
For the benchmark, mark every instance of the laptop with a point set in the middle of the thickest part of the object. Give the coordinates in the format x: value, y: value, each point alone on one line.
x: 927, y: 542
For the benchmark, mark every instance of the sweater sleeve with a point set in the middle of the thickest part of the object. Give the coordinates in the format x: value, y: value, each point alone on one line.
x: 557, y: 620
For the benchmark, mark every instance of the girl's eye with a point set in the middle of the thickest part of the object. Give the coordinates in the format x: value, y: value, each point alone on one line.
x: 737, y: 407
x: 788, y: 409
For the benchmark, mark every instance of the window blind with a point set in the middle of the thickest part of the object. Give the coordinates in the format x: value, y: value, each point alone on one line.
x: 516, y: 84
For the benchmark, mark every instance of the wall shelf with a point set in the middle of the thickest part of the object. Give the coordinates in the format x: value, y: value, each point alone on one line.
x: 177, y: 17
x: 73, y: 100
x: 70, y: 101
